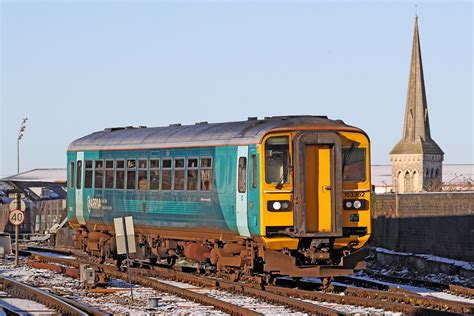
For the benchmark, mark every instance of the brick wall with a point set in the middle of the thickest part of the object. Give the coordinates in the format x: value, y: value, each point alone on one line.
x: 438, y: 223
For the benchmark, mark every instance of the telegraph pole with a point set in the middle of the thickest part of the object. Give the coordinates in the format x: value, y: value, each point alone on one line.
x: 20, y: 136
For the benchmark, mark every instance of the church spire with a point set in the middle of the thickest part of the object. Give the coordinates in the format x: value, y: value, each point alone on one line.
x: 416, y: 114
x: 416, y: 127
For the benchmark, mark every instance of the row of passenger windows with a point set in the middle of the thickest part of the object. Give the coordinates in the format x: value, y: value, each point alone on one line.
x: 188, y: 174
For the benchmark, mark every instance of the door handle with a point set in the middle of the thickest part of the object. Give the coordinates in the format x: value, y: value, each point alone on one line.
x: 328, y: 187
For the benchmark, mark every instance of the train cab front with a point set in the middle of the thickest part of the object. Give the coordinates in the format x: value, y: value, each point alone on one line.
x: 316, y: 202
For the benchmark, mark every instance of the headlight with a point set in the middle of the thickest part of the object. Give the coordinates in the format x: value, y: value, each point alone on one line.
x: 353, y: 204
x: 279, y: 206
x: 276, y: 206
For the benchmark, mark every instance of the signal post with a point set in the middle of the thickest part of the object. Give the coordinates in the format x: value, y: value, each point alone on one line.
x: 17, y: 217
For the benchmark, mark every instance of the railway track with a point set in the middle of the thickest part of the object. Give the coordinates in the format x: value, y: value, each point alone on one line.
x: 61, y: 305
x: 293, y: 297
x: 449, y: 288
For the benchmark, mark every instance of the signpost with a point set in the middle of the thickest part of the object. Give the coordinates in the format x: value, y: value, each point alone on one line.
x: 125, y: 239
x: 17, y: 217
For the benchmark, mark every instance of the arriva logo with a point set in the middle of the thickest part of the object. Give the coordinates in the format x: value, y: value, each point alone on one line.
x: 97, y: 204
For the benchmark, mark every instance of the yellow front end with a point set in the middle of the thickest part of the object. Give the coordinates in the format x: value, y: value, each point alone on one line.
x: 277, y: 194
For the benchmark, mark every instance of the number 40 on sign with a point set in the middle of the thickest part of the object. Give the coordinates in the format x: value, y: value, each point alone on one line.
x: 16, y: 217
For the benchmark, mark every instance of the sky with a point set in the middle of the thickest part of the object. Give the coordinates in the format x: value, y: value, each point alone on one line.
x: 75, y: 67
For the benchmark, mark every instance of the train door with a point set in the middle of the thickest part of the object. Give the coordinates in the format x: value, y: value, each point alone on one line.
x: 79, y: 187
x: 241, y: 192
x: 318, y: 184
x: 319, y: 190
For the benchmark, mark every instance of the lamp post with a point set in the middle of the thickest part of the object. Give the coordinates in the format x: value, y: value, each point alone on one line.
x: 20, y: 136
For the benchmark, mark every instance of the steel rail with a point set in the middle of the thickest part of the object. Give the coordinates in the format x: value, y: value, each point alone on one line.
x: 144, y: 275
x: 395, y: 301
x: 184, y: 293
x: 157, y: 285
x: 62, y: 305
x: 446, y: 287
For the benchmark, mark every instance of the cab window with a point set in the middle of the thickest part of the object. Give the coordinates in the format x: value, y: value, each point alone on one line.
x: 277, y: 160
x: 353, y: 164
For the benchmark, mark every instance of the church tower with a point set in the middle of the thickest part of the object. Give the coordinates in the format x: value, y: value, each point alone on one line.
x: 416, y: 158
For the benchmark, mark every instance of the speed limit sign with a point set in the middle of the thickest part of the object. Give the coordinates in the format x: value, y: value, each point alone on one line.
x: 16, y: 217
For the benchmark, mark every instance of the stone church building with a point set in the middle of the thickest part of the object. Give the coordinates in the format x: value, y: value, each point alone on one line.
x: 416, y: 158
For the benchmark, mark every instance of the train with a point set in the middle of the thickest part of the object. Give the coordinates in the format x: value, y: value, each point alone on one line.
x: 279, y: 196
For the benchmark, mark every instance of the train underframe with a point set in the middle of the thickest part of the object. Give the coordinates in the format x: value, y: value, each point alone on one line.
x: 235, y: 257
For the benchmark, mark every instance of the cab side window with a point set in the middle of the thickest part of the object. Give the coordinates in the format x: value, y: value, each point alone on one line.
x: 242, y: 176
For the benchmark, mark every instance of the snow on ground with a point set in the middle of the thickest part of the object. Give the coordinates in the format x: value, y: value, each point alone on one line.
x: 238, y: 299
x: 419, y: 290
x: 458, y: 263
x: 355, y: 310
x: 411, y: 272
x: 25, y: 307
x: 118, y: 302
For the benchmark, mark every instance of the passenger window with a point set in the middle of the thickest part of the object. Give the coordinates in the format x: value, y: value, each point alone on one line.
x: 79, y: 175
x: 154, y: 174
x: 120, y: 174
x: 109, y: 174
x: 131, y: 174
x: 99, y: 174
x: 242, y: 176
x: 192, y: 175
x: 142, y: 174
x: 206, y: 174
x: 179, y: 174
x: 71, y: 174
x: 166, y: 175
x: 88, y: 175
x: 254, y: 171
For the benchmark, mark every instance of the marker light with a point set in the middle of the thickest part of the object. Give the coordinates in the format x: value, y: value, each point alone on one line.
x: 348, y: 204
x: 357, y: 204
x: 276, y: 205
x: 285, y: 205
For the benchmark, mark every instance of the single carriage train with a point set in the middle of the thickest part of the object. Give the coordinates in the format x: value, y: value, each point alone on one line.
x: 287, y: 195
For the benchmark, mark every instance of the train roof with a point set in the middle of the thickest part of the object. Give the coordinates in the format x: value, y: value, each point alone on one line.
x: 201, y: 134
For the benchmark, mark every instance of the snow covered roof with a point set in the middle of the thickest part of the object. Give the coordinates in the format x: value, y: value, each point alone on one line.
x: 52, y: 175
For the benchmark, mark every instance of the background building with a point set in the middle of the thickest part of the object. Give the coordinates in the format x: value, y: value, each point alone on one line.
x: 416, y: 158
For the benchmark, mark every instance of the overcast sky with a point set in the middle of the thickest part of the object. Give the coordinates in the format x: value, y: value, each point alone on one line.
x: 77, y: 67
